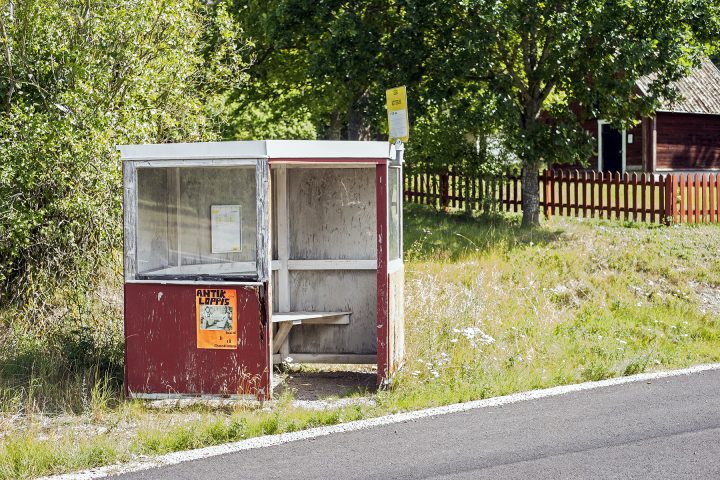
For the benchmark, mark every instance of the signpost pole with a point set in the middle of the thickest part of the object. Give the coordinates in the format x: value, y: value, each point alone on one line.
x: 399, y: 153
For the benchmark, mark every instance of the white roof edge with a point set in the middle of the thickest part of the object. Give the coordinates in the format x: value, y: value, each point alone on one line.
x: 197, y: 150
x: 258, y: 149
x: 328, y: 149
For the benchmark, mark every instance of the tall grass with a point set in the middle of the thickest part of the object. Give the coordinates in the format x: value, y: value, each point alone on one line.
x: 493, y: 309
x: 65, y: 356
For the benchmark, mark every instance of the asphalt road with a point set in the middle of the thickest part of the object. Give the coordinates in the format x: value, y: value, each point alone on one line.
x: 667, y: 428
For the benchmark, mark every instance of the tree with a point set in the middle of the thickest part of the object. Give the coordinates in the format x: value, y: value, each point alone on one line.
x: 552, y: 64
x: 320, y: 57
x: 332, y: 60
x: 77, y: 78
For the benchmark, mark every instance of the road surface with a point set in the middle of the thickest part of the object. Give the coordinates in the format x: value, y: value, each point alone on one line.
x: 666, y: 428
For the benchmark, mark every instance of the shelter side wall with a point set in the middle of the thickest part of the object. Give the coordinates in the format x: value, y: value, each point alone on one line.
x: 161, y: 354
x: 332, y: 216
x: 335, y: 291
x: 688, y: 141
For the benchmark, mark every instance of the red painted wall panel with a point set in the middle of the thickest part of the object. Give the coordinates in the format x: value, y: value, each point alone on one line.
x: 688, y: 141
x: 634, y: 151
x: 161, y: 354
x: 383, y: 329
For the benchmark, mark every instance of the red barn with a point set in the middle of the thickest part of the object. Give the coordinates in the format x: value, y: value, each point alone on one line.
x: 682, y: 136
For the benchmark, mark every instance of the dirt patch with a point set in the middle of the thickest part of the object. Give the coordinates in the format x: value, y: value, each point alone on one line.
x: 312, y: 385
x: 709, y: 297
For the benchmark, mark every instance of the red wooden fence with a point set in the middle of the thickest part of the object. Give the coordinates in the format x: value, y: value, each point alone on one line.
x: 645, y: 197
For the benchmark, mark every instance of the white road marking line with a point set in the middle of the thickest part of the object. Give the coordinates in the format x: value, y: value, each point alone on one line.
x: 279, y: 439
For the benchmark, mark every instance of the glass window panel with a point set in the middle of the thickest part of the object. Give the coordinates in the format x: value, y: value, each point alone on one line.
x: 196, y: 222
x: 394, y: 212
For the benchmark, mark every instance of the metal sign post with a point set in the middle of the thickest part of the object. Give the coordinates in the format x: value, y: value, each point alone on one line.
x: 399, y: 153
x: 398, y: 122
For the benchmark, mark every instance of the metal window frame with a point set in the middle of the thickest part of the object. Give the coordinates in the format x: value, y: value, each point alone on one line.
x: 395, y: 264
x: 130, y: 219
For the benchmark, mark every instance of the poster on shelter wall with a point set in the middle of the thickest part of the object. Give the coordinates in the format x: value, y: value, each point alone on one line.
x: 216, y: 312
x: 226, y: 228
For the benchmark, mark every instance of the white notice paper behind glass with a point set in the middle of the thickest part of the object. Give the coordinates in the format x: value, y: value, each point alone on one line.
x: 225, y: 228
x: 398, y: 124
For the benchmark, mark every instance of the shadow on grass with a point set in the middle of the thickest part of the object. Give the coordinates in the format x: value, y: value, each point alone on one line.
x: 429, y: 233
x: 322, y: 385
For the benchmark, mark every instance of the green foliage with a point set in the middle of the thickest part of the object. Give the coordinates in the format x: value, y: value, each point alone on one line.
x: 552, y: 65
x: 263, y: 119
x: 322, y: 69
x: 579, y: 60
x: 77, y: 78
x: 319, y: 56
x: 445, y: 138
x: 517, y: 75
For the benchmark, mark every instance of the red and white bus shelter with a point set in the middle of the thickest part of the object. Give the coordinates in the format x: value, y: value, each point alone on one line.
x: 241, y: 255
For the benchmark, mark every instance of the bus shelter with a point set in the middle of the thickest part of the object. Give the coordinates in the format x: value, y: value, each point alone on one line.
x: 242, y: 255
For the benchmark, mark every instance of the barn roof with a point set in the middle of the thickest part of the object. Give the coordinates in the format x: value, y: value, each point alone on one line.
x: 700, y: 91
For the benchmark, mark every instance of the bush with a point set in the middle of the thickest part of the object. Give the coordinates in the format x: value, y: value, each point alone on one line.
x: 77, y: 78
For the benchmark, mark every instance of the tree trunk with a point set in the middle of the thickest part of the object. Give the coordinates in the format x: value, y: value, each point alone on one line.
x: 530, y: 195
x: 529, y: 180
x: 334, y: 130
x: 356, y: 127
x: 354, y: 124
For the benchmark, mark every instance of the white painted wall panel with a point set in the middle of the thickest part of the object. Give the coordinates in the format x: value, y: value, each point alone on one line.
x: 332, y: 214
x: 335, y: 291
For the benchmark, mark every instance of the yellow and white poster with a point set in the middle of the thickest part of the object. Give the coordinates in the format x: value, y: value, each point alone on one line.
x: 216, y: 313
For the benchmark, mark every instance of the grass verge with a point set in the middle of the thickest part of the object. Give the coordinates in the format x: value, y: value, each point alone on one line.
x: 491, y: 309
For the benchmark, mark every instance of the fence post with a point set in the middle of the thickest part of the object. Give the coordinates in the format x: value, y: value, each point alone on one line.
x: 698, y: 198
x: 670, y: 188
x: 548, y: 188
x: 549, y: 193
x: 705, y: 194
x: 717, y: 195
x: 444, y: 191
x: 467, y: 195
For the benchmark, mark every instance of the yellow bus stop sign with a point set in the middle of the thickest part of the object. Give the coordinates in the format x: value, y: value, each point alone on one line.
x: 397, y: 114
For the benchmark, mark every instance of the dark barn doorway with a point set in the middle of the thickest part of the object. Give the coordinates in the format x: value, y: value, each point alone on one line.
x: 612, y: 149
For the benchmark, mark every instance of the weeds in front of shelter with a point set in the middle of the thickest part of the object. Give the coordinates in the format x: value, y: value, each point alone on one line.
x: 491, y: 309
